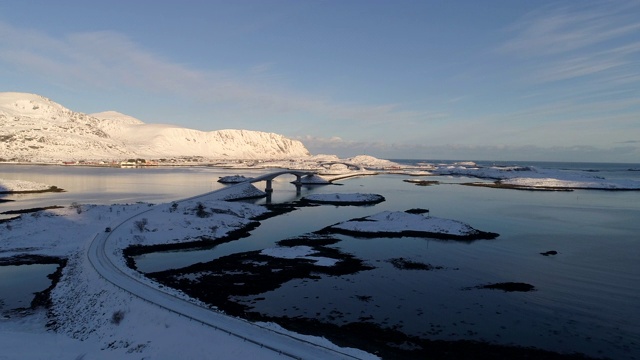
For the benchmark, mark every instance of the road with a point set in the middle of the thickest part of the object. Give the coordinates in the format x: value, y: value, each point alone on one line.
x: 287, y: 346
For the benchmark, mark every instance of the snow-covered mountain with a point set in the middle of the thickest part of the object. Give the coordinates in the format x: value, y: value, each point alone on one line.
x: 34, y: 128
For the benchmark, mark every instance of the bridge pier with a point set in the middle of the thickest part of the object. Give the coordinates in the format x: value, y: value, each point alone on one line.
x: 269, y: 179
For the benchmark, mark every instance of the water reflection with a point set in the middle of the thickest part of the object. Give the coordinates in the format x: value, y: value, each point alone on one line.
x: 112, y: 185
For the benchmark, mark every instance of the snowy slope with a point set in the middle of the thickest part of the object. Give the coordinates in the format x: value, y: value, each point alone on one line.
x: 34, y: 128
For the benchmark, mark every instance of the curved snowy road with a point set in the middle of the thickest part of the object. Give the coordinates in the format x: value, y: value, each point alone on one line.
x: 252, y: 334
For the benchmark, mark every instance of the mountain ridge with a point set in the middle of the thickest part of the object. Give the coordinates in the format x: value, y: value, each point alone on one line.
x: 34, y: 128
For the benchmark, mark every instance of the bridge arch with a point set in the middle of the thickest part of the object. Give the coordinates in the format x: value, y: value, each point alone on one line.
x: 268, y: 178
x: 358, y: 167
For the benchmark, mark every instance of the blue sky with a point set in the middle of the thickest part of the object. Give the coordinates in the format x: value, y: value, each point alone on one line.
x: 482, y: 80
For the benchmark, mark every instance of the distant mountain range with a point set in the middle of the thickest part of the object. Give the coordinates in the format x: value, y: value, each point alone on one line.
x: 36, y: 129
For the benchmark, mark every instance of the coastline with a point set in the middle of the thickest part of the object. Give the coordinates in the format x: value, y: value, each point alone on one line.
x: 53, y: 188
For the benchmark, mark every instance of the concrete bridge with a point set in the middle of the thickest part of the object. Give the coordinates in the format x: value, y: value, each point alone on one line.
x: 269, y: 178
x: 349, y: 165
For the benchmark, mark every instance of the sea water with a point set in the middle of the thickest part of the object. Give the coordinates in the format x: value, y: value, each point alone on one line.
x: 585, y: 297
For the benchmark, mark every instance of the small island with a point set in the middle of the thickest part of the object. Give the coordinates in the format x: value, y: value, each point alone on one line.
x: 410, y: 223
x: 420, y: 182
x: 25, y: 187
x: 10, y: 187
x: 344, y: 199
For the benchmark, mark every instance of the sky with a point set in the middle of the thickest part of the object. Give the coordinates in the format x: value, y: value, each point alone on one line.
x: 434, y: 79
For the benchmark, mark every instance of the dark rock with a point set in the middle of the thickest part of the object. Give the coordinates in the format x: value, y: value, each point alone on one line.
x: 508, y: 287
x: 404, y: 264
x: 417, y: 211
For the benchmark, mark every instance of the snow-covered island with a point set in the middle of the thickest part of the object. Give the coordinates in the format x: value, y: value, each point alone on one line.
x: 414, y: 223
x: 22, y: 186
x: 344, y: 199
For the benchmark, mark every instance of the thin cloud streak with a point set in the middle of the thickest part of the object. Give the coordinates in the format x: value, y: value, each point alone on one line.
x: 584, y: 65
x: 578, y: 70
x: 575, y: 42
x: 573, y: 68
x: 560, y: 30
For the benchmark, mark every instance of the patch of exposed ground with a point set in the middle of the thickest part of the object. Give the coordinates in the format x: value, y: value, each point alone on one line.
x: 51, y: 189
x: 422, y: 182
x: 251, y: 273
x: 31, y: 210
x: 405, y: 264
x: 506, y: 286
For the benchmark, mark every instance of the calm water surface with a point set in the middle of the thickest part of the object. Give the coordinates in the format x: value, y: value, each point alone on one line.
x: 91, y: 185
x: 585, y: 299
x: 19, y: 283
x: 586, y: 296
x: 105, y: 185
